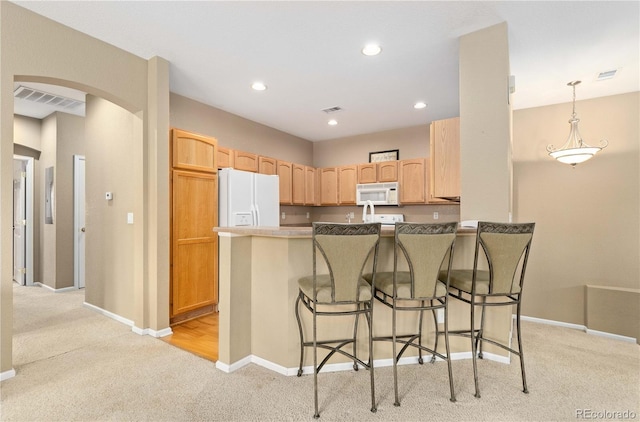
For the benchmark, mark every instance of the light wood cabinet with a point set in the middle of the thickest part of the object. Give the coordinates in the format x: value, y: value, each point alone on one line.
x: 193, y: 215
x: 413, y: 181
x: 298, y: 184
x: 245, y: 161
x: 310, y: 181
x: 267, y: 165
x: 224, y: 157
x: 367, y: 173
x: 284, y: 176
x: 191, y: 151
x: 347, y: 180
x: 445, y: 159
x: 386, y: 171
x: 328, y: 177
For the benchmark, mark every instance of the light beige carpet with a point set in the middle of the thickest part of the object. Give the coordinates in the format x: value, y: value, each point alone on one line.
x: 73, y: 364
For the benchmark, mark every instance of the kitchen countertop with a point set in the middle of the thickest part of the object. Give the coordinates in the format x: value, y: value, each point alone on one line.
x: 296, y: 231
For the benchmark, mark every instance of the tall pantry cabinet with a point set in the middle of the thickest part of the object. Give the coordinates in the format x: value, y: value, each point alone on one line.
x: 193, y: 215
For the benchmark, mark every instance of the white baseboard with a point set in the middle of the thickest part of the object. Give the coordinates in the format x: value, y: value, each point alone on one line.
x: 62, y: 290
x: 7, y: 374
x: 344, y: 366
x: 140, y: 331
x: 579, y: 327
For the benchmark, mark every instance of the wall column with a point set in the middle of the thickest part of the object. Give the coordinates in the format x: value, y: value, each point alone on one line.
x: 485, y: 126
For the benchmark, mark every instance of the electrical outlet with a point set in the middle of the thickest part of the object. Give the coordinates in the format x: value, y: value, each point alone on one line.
x: 283, y: 216
x: 436, y: 215
x: 307, y: 215
x: 352, y: 215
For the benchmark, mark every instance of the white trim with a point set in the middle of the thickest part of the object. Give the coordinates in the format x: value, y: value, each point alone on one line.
x: 111, y: 315
x: 7, y: 374
x: 344, y: 366
x: 76, y: 216
x: 153, y: 333
x: 62, y: 290
x: 580, y: 328
x: 610, y: 335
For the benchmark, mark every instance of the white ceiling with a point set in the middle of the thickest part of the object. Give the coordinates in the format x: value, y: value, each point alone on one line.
x: 308, y: 54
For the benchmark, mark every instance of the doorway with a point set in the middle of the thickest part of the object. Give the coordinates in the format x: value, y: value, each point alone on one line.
x: 23, y: 220
x: 79, y: 221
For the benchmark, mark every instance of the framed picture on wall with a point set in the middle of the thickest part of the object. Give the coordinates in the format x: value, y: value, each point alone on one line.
x: 379, y: 156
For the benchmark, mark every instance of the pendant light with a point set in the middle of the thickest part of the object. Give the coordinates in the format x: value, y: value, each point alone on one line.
x: 575, y: 150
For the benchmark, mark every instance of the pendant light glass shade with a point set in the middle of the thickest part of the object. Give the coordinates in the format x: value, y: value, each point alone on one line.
x: 575, y: 150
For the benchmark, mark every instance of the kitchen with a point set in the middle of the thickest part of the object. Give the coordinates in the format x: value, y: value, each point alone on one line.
x: 543, y: 189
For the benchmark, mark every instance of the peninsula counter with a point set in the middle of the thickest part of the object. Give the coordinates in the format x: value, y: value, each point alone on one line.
x: 258, y: 276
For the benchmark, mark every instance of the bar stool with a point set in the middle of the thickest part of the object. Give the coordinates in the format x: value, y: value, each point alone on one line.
x: 346, y: 249
x: 506, y: 248
x: 425, y: 247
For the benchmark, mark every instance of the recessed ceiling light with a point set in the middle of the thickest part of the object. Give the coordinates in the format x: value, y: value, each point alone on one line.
x: 419, y: 105
x: 333, y: 122
x: 371, y: 50
x: 258, y: 86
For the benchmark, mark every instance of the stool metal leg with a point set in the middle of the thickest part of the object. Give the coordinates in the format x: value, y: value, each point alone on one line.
x: 297, y: 306
x: 524, y: 377
x: 474, y: 346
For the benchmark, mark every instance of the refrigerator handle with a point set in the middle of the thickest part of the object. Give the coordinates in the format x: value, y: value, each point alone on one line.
x: 257, y: 215
x: 254, y: 215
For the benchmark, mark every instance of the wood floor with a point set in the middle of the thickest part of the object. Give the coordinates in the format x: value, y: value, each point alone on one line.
x: 198, y: 336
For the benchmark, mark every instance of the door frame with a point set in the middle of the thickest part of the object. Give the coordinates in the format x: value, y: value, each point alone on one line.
x: 76, y: 226
x: 29, y: 217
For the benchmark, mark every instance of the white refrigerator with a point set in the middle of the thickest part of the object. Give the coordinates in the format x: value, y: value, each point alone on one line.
x: 247, y: 199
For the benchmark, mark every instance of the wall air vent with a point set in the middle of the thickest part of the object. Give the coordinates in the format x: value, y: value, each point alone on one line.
x: 57, y: 101
x: 332, y: 109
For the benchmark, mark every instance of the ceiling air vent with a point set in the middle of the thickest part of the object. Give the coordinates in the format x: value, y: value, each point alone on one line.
x: 332, y: 109
x: 30, y: 94
x: 606, y: 75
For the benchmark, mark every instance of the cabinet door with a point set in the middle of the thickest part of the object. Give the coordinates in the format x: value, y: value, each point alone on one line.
x: 347, y: 179
x: 284, y: 174
x: 191, y: 151
x: 224, y: 157
x: 310, y: 185
x: 388, y: 171
x: 413, y: 181
x: 297, y: 184
x: 267, y: 165
x: 367, y: 173
x: 445, y: 158
x: 328, y: 186
x: 194, y: 275
x: 245, y: 161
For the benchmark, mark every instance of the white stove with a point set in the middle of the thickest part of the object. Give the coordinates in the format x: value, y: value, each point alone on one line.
x: 386, y: 219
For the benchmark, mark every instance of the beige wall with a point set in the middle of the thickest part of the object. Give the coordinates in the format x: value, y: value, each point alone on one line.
x: 60, y: 55
x: 110, y: 131
x: 587, y: 225
x: 26, y: 131
x: 485, y: 125
x: 236, y: 132
x: 412, y: 142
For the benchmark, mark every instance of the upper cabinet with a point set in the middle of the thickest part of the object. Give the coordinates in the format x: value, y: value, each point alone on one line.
x: 297, y: 184
x: 267, y: 165
x: 445, y: 159
x: 413, y: 181
x: 328, y: 177
x: 386, y: 171
x: 245, y: 161
x: 225, y: 157
x: 284, y: 176
x: 194, y: 152
x: 347, y: 180
x: 310, y: 182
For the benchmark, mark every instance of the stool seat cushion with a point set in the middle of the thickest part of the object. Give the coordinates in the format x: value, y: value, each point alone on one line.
x: 323, y: 286
x: 463, y: 280
x: 384, y: 283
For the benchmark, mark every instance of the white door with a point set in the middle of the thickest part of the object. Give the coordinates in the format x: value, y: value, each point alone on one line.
x: 78, y: 220
x: 19, y: 221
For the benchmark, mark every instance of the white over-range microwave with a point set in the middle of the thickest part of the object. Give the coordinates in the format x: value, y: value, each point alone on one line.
x: 377, y: 193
